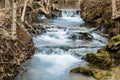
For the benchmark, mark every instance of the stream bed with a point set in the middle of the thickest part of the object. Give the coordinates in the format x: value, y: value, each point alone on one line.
x: 61, y: 48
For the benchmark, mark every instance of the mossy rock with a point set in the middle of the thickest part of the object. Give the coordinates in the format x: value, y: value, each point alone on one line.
x: 93, y: 71
x: 102, y: 74
x: 83, y: 70
x: 102, y: 50
x: 118, y: 52
x: 101, y: 58
x: 114, y: 43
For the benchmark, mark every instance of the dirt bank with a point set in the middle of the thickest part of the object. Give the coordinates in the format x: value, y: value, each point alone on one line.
x: 13, y: 52
x: 99, y: 12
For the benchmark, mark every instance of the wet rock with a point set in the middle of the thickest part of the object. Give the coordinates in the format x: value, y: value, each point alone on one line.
x: 81, y: 36
x: 41, y: 28
x: 93, y: 71
x: 85, y: 36
x: 101, y: 58
x: 74, y: 37
x: 83, y: 70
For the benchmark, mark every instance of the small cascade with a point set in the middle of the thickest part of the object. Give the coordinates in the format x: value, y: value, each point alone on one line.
x: 70, y: 13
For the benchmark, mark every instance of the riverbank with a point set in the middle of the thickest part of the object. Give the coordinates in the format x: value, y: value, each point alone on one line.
x: 99, y: 13
x: 13, y: 52
x: 104, y: 64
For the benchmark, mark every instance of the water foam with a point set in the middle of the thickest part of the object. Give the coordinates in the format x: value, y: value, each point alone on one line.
x: 60, y: 63
x: 72, y: 15
x: 73, y: 19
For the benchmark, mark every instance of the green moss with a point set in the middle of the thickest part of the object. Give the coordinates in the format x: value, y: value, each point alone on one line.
x: 101, y: 74
x: 88, y: 15
x: 83, y: 70
x: 102, y: 50
x: 93, y: 71
x: 114, y: 43
x: 101, y: 58
x: 116, y: 37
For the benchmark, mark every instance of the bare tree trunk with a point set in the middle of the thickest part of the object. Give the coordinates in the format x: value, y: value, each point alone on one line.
x: 114, y: 10
x: 14, y: 35
x: 24, y: 9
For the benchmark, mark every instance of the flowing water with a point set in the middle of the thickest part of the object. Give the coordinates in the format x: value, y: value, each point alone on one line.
x: 56, y: 53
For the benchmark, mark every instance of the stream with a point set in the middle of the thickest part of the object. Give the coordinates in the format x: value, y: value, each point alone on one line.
x: 57, y: 51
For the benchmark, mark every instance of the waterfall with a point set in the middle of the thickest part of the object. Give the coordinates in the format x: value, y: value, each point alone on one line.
x: 70, y: 13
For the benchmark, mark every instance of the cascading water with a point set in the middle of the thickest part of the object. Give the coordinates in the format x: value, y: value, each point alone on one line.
x: 56, y: 53
x: 70, y: 13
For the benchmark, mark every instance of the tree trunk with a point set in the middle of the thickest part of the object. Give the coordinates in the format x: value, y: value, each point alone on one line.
x: 24, y: 9
x: 114, y: 10
x: 14, y: 35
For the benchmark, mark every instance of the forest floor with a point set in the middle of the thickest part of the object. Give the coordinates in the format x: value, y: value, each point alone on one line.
x: 12, y: 52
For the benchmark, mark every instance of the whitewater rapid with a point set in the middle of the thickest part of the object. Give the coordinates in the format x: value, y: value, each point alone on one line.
x: 55, y: 53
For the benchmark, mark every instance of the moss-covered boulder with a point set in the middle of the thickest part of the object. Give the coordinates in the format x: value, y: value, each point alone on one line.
x: 114, y: 43
x: 83, y: 70
x: 93, y: 71
x: 101, y: 58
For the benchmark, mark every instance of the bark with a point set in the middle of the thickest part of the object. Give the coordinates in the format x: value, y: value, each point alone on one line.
x: 24, y: 9
x: 14, y: 35
x: 114, y: 10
